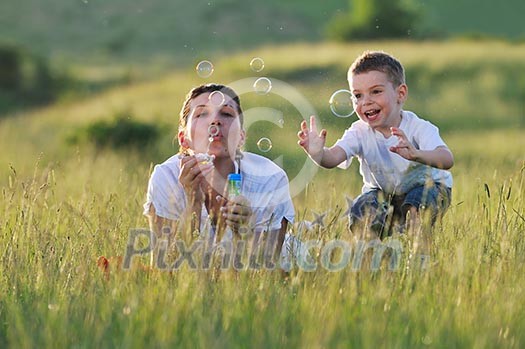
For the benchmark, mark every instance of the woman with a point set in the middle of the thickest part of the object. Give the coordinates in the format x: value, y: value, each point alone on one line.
x: 187, y: 191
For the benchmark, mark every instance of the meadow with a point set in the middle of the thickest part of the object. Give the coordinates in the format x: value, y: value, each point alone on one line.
x: 65, y: 205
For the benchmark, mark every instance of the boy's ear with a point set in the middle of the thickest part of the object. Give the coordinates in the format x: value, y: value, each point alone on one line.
x: 402, y: 93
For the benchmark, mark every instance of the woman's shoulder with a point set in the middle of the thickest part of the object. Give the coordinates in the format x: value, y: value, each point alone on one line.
x: 252, y: 159
x: 259, y: 165
x: 170, y: 165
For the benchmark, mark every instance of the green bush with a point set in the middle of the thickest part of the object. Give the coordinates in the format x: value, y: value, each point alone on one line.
x: 374, y: 19
x: 121, y: 132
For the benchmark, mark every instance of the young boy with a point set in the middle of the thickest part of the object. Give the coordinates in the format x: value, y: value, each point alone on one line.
x: 402, y: 157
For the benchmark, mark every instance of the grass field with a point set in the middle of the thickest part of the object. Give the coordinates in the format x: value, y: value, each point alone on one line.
x: 64, y: 206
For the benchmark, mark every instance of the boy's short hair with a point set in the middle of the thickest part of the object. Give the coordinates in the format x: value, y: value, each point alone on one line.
x: 378, y: 61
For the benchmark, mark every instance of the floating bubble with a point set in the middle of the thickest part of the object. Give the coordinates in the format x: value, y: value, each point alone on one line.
x: 281, y: 121
x: 257, y: 64
x: 262, y: 86
x: 204, y: 69
x: 264, y: 144
x: 341, y: 103
x: 216, y: 98
x: 213, y: 130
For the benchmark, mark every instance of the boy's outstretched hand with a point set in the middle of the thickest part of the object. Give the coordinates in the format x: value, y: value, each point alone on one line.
x: 311, y: 141
x: 404, y: 148
x: 441, y: 157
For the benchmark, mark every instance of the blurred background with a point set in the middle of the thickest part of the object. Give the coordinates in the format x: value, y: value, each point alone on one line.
x: 106, y: 75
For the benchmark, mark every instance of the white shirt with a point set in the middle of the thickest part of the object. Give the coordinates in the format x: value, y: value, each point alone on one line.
x: 387, y: 171
x: 264, y: 184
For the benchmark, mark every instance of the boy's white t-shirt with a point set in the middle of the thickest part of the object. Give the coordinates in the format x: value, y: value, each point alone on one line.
x: 264, y: 184
x: 387, y: 171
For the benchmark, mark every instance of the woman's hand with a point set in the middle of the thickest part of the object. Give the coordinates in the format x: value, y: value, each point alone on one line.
x: 236, y: 212
x: 191, y: 177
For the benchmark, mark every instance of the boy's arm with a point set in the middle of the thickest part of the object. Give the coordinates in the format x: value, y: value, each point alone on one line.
x: 313, y: 144
x: 441, y: 157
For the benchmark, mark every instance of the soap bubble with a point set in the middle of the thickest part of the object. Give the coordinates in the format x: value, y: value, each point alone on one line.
x: 262, y: 86
x: 204, y: 69
x: 257, y: 64
x: 216, y: 98
x: 213, y: 130
x: 264, y: 144
x: 341, y: 103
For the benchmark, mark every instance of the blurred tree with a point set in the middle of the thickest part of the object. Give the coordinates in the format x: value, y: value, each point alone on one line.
x: 25, y: 79
x: 375, y: 19
x: 9, y: 68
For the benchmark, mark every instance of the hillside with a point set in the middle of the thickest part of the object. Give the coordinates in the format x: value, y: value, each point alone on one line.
x: 94, y: 28
x: 460, y: 86
x: 90, y: 30
x: 477, y: 17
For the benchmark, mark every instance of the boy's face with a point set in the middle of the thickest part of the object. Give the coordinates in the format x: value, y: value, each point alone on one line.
x: 376, y: 101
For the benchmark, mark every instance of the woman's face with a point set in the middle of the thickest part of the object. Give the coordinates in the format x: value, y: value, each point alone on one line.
x: 213, y: 126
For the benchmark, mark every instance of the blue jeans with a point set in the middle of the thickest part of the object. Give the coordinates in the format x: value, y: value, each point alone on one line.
x: 435, y: 198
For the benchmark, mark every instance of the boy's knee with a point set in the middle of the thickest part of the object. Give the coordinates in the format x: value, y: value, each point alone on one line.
x: 408, y: 212
x: 365, y: 205
x: 413, y: 210
x: 372, y: 217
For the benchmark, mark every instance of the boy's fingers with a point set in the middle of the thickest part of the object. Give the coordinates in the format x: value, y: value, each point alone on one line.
x: 398, y: 132
x: 323, y: 133
x: 396, y: 150
x: 313, y: 126
x: 304, y: 127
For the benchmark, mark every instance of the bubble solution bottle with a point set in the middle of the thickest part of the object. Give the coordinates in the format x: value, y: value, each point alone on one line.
x: 234, y: 185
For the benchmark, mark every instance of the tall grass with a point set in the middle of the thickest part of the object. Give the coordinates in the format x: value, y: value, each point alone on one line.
x: 62, y: 208
x: 53, y: 230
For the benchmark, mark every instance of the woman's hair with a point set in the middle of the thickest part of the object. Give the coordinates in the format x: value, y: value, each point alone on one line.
x: 207, y: 88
